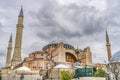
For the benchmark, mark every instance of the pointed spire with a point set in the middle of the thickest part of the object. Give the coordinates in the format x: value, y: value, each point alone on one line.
x: 10, y: 38
x: 21, y: 12
x: 107, y: 37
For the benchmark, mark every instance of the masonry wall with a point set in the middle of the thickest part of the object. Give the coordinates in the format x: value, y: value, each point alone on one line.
x: 91, y: 78
x: 18, y: 77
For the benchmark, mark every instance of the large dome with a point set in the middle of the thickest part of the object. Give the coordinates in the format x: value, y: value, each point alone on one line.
x: 56, y: 42
x: 116, y: 57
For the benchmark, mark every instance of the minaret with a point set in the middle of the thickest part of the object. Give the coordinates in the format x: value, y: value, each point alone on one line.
x: 108, y: 46
x: 9, y: 51
x: 18, y: 42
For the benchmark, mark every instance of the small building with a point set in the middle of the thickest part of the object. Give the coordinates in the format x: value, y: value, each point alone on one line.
x: 114, y: 67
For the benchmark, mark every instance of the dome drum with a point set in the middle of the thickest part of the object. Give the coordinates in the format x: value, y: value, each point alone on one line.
x: 55, y: 45
x: 115, y: 57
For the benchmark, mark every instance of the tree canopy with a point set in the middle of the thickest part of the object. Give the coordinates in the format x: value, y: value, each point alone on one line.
x: 66, y: 75
x: 100, y: 73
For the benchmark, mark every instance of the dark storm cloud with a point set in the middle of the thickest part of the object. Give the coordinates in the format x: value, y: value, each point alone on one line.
x: 59, y: 32
x: 94, y: 27
x: 54, y: 20
x: 84, y: 19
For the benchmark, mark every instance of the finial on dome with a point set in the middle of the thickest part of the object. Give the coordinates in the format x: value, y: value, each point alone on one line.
x: 59, y: 38
x: 77, y: 47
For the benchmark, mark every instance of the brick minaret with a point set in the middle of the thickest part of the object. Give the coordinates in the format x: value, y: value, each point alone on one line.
x: 9, y: 51
x: 18, y: 42
x: 108, y: 46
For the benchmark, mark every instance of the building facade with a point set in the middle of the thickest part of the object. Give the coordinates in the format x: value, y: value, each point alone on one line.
x: 58, y: 52
x: 51, y: 54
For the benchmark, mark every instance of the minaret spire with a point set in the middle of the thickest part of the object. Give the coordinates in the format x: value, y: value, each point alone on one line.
x: 10, y: 38
x: 107, y: 37
x: 9, y: 52
x: 21, y: 12
x: 18, y: 41
x: 108, y: 46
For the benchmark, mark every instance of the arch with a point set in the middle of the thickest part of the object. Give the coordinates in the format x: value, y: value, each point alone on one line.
x: 70, y: 57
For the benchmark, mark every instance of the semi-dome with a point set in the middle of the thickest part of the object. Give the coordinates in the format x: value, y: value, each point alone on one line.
x: 116, y: 57
x: 56, y: 42
x: 38, y: 52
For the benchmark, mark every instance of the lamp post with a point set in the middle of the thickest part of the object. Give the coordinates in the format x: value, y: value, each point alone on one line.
x: 85, y: 70
x: 21, y: 77
x: 107, y: 76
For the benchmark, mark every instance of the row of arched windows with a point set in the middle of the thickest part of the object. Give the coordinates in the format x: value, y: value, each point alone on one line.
x: 55, y: 45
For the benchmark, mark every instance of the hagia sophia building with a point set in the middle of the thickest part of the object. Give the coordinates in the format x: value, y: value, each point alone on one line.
x: 55, y: 52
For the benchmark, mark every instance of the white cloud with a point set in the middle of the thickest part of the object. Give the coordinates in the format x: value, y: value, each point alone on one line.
x: 99, y: 4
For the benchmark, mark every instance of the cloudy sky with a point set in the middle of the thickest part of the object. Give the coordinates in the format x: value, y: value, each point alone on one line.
x: 80, y: 23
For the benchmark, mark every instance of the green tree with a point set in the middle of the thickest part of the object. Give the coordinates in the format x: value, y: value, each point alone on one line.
x: 66, y: 75
x: 100, y: 73
x: 94, y: 70
x: 0, y: 77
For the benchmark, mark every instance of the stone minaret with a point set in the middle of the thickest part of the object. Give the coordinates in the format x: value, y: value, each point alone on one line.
x: 108, y: 46
x: 9, y: 51
x: 18, y: 42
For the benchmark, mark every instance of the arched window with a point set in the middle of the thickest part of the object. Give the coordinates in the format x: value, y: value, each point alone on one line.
x: 70, y: 57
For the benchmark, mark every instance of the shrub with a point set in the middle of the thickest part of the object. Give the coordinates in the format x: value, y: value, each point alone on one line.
x: 100, y: 73
x: 66, y: 75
